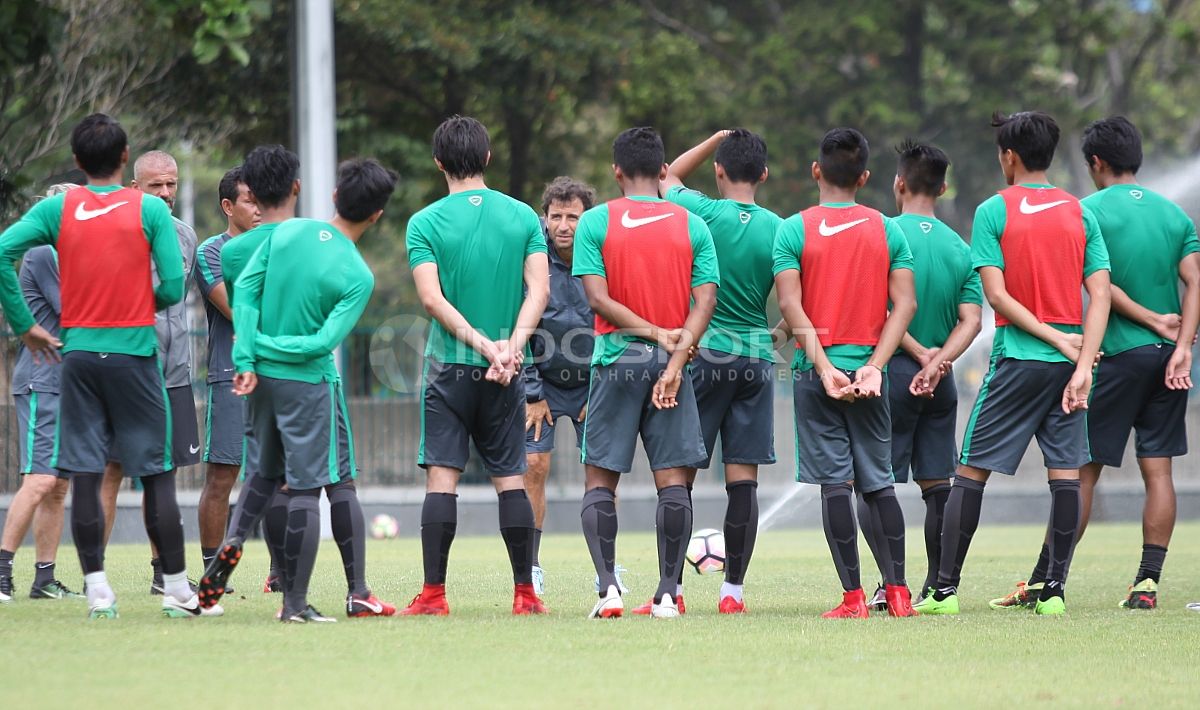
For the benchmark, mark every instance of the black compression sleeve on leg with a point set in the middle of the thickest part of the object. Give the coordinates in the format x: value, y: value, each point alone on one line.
x: 252, y: 502
x: 887, y: 522
x: 164, y: 524
x: 837, y: 515
x: 300, y: 547
x: 537, y: 547
x: 935, y: 505
x: 1065, y: 514
x: 682, y: 567
x: 87, y: 521
x: 1042, y: 567
x: 350, y: 533
x: 673, y: 518
x: 870, y: 532
x: 959, y: 522
x: 741, y: 528
x: 439, y: 523
x: 516, y: 527
x: 274, y: 529
x: 599, y: 518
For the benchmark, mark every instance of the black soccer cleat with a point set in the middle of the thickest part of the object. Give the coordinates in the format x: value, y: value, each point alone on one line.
x: 214, y: 583
x: 308, y: 616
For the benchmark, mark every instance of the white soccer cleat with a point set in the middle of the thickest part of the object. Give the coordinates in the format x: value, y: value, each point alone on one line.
x: 539, y: 580
x: 610, y: 605
x: 665, y: 609
x: 174, y: 608
x: 214, y: 610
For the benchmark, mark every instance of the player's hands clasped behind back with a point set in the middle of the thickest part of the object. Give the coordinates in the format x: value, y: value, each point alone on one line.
x: 1075, y: 395
x: 1179, y: 369
x: 244, y: 383
x: 42, y: 345
x: 505, y: 363
x: 666, y: 390
x: 837, y: 384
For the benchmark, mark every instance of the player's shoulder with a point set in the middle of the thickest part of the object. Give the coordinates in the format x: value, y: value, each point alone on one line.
x: 213, y: 244
x: 597, y: 215
x: 183, y: 227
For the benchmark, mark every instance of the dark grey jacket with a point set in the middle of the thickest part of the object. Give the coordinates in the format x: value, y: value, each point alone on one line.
x: 40, y: 286
x: 562, y: 347
x: 171, y: 324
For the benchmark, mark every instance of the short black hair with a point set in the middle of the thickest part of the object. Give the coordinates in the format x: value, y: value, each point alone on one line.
x: 1032, y: 135
x: 98, y: 143
x: 461, y: 145
x: 363, y: 188
x: 843, y: 157
x: 743, y: 155
x: 269, y: 171
x: 227, y: 189
x: 568, y: 189
x: 922, y: 166
x: 1116, y: 141
x: 639, y: 152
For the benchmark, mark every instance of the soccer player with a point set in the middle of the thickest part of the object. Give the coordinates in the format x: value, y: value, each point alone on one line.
x: 471, y: 252
x: 1142, y: 382
x: 732, y: 373
x: 297, y: 299
x: 921, y: 391
x: 650, y: 272
x: 35, y: 394
x: 837, y: 266
x: 112, y: 392
x: 1034, y: 246
x: 556, y: 378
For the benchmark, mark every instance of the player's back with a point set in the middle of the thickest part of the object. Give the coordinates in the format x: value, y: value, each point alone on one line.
x: 236, y: 253
x: 941, y: 269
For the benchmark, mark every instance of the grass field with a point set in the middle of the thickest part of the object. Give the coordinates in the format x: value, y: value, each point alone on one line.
x: 780, y: 655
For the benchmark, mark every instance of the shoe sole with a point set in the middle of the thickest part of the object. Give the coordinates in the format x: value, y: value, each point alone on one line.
x: 212, y: 587
x: 103, y: 614
x: 174, y: 613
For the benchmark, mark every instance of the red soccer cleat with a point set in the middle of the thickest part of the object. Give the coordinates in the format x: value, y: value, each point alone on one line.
x: 272, y: 585
x: 357, y: 607
x: 729, y: 605
x: 525, y: 601
x: 899, y: 601
x: 430, y: 602
x: 644, y: 610
x: 853, y: 606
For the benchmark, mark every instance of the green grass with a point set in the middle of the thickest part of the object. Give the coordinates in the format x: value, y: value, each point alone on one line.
x: 780, y: 655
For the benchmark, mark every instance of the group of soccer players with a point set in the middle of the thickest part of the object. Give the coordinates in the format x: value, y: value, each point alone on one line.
x: 643, y: 317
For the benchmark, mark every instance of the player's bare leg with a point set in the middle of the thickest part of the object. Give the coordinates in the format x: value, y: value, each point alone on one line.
x: 47, y: 533
x: 537, y: 470
x: 213, y: 512
x: 37, y: 492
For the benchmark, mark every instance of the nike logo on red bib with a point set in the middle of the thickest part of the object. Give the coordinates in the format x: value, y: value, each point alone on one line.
x: 1027, y: 208
x: 630, y: 222
x: 827, y: 231
x: 83, y: 214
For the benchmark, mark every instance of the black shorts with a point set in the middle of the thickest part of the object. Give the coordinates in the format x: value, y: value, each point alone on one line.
x: 300, y: 432
x: 563, y: 402
x: 461, y: 406
x: 922, y: 428
x: 185, y: 435
x: 1130, y: 394
x: 118, y: 403
x: 224, y: 425
x: 736, y: 399
x: 841, y: 442
x: 1018, y: 400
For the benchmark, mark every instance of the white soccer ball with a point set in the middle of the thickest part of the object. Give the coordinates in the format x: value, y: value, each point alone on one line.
x: 384, y: 527
x: 706, y: 551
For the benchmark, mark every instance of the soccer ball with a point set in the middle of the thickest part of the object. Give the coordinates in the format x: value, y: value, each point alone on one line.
x: 384, y: 527
x: 706, y: 551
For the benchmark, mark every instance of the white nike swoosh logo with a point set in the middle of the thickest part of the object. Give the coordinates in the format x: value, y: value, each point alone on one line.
x: 375, y: 608
x: 83, y: 214
x: 1027, y: 208
x: 631, y: 223
x: 827, y: 231
x: 193, y: 449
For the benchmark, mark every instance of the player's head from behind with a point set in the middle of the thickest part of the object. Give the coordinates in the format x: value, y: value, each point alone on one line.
x: 100, y: 146
x: 156, y: 173
x: 272, y: 173
x: 1112, y: 148
x: 842, y: 160
x: 564, y: 201
x: 639, y: 158
x: 1026, y: 142
x: 363, y: 190
x: 741, y: 159
x: 237, y: 202
x: 920, y: 172
x: 461, y: 148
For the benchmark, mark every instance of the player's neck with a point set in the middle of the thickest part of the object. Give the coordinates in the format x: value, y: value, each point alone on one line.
x: 113, y: 180
x: 352, y: 230
x: 738, y: 192
x: 920, y: 205
x: 273, y: 215
x: 475, y: 182
x: 1122, y: 179
x: 232, y: 230
x: 832, y: 194
x: 1030, y: 177
x: 640, y: 187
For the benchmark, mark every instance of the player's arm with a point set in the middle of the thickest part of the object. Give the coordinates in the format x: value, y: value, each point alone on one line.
x: 902, y: 292
x: 704, y: 302
x: 38, y: 226
x: 620, y: 315
x: 788, y: 286
x: 537, y: 295
x: 1095, y: 321
x: 429, y: 291
x: 970, y: 322
x: 246, y: 314
x: 1020, y: 316
x: 1179, y: 367
x: 164, y: 251
x: 690, y: 160
x: 1165, y: 325
x: 338, y: 324
x: 210, y: 279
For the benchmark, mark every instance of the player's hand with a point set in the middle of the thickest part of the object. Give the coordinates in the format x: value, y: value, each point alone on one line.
x: 1167, y: 325
x: 927, y: 380
x: 1075, y: 396
x: 1179, y: 370
x: 41, y: 345
x: 927, y: 355
x: 582, y: 413
x: 868, y: 382
x: 667, y: 388
x: 1070, y: 345
x: 504, y: 363
x: 668, y: 339
x: 244, y: 383
x: 535, y: 414
x: 837, y: 385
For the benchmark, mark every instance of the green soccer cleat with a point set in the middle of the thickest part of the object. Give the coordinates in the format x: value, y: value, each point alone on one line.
x: 1025, y: 596
x: 930, y: 606
x: 53, y: 589
x: 108, y: 611
x: 1143, y: 595
x: 1054, y: 606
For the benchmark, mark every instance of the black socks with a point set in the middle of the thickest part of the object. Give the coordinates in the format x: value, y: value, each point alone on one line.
x: 537, y: 546
x: 516, y: 527
x: 679, y: 581
x: 1065, y: 514
x: 350, y: 533
x: 599, y: 518
x: 837, y: 515
x: 274, y: 529
x: 887, y: 527
x: 935, y: 498
x: 300, y: 547
x: 741, y: 528
x: 1153, y: 557
x: 673, y: 520
x: 164, y: 524
x: 439, y: 522
x: 256, y: 494
x: 959, y: 522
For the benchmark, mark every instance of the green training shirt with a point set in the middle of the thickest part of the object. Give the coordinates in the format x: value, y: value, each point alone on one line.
x: 299, y: 296
x: 789, y: 245
x: 743, y: 236
x: 479, y: 240
x: 236, y: 253
x: 40, y: 225
x: 1147, y: 236
x: 990, y: 220
x: 943, y: 274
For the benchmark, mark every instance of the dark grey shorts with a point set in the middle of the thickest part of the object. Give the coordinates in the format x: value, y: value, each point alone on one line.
x: 185, y: 434
x: 460, y: 406
x: 620, y: 408
x: 224, y: 425
x: 841, y: 442
x: 922, y: 429
x: 1018, y: 400
x: 37, y: 431
x: 563, y: 402
x: 736, y: 398
x: 299, y: 432
x: 113, y: 402
x: 1129, y: 394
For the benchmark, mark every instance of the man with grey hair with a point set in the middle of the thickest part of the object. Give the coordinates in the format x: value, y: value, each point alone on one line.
x: 156, y: 173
